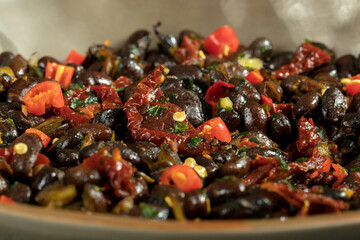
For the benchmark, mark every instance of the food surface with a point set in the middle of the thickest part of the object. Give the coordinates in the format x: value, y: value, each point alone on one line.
x: 196, y: 128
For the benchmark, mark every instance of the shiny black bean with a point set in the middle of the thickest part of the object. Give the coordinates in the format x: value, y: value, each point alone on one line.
x: 93, y: 78
x: 19, y: 192
x: 141, y: 189
x: 237, y: 99
x: 280, y: 128
x: 46, y: 176
x: 233, y: 69
x: 231, y: 119
x: 326, y: 68
x: 258, y: 204
x: 225, y: 190
x: 100, y: 131
x: 189, y: 72
x: 238, y: 167
x: 147, y: 152
x: 250, y: 93
x: 130, y: 155
x: 3, y: 185
x: 221, y: 156
x: 355, y: 104
x: 216, y: 75
x: 279, y: 60
x: 261, y: 48
x: 24, y: 160
x: 172, y: 82
x: 80, y: 175
x: 21, y: 122
x: 19, y: 65
x: 307, y: 104
x: 159, y: 192
x: 210, y: 166
x: 88, y: 151
x: 67, y: 158
x: 195, y: 204
x: 70, y: 140
x: 155, y: 58
x: 266, y: 152
x: 333, y: 105
x: 351, y: 121
x: 298, y: 85
x: 270, y: 89
x: 132, y: 69
x: 256, y: 136
x: 113, y: 118
x: 136, y: 45
x: 149, y: 210
x: 93, y: 199
x: 346, y: 66
x: 253, y: 117
x: 328, y: 80
x: 5, y: 58
x: 8, y: 131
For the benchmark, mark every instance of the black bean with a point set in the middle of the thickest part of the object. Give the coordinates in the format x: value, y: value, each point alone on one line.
x: 159, y: 192
x: 238, y: 167
x: 270, y: 89
x: 280, y: 128
x: 346, y: 66
x: 279, y: 60
x: 46, y: 176
x: 8, y: 131
x: 66, y: 158
x: 136, y: 45
x: 80, y: 175
x: 141, y: 189
x: 195, y: 204
x: 132, y: 69
x: 333, y: 105
x: 44, y: 60
x: 115, y: 119
x: 100, y: 131
x: 18, y: 89
x: 19, y: 65
x: 93, y: 199
x: 93, y: 78
x: 231, y: 119
x: 253, y: 117
x: 189, y: 72
x: 261, y: 48
x: 221, y: 156
x: 355, y: 104
x: 307, y: 104
x: 224, y: 190
x: 3, y: 185
x: 5, y: 58
x: 19, y: 192
x: 210, y: 166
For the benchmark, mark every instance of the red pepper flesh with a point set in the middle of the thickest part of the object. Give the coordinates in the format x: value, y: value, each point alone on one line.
x: 75, y: 57
x: 222, y: 42
x: 44, y: 138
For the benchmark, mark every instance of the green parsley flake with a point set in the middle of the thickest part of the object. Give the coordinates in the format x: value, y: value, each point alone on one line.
x: 11, y: 122
x: 357, y: 169
x: 76, y: 102
x: 194, y: 142
x: 148, y: 211
x: 283, y: 164
x: 180, y: 127
x: 172, y: 96
x: 301, y: 160
x: 254, y: 140
x: 155, y: 111
x: 265, y: 49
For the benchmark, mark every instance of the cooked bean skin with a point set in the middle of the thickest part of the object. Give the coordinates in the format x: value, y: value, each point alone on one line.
x: 5, y: 58
x: 280, y: 128
x: 346, y: 66
x: 19, y: 65
x: 253, y: 117
x: 19, y: 192
x: 333, y: 105
x: 231, y: 119
x: 46, y: 176
x: 280, y: 59
x: 261, y: 48
x: 195, y: 204
x: 67, y: 158
x: 307, y: 104
x: 238, y: 166
x: 80, y: 175
x: 225, y: 190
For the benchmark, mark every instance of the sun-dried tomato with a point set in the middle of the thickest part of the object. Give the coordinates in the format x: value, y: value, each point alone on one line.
x: 157, y: 127
x: 306, y: 58
x: 189, y: 52
x: 308, y: 138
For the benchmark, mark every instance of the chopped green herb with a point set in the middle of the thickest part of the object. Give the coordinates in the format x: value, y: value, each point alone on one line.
x: 134, y: 50
x: 242, y: 55
x: 307, y: 40
x: 283, y: 164
x: 148, y: 211
x: 120, y: 89
x: 163, y: 99
x: 265, y: 49
x: 357, y: 169
x: 11, y: 122
x: 211, y: 67
x: 155, y: 111
x: 172, y: 96
x: 191, y: 84
x: 266, y: 108
x: 194, y: 142
x: 192, y: 35
x: 38, y: 72
x: 75, y: 86
x: 243, y: 133
x: 180, y: 127
x: 301, y: 160
x: 254, y: 140
x: 241, y: 150
x: 249, y: 69
x: 76, y: 102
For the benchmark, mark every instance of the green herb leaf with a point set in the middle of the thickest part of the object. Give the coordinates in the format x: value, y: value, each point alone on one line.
x: 120, y: 89
x: 180, y: 127
x: 192, y: 35
x: 134, y: 50
x: 191, y: 84
x: 307, y: 40
x: 301, y: 160
x: 148, y: 211
x: 172, y: 96
x: 38, y: 72
x: 155, y: 111
x: 357, y: 169
x: 265, y: 49
x: 242, y: 55
x: 91, y: 100
x: 283, y: 164
x: 254, y: 140
x: 75, y: 86
x: 76, y: 102
x: 194, y: 142
x: 266, y: 108
x: 11, y: 122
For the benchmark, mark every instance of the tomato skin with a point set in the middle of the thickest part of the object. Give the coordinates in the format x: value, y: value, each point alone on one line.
x: 255, y: 77
x: 222, y: 38
x: 182, y: 176
x: 216, y: 91
x: 216, y: 128
x: 43, y: 95
x: 75, y: 57
x: 44, y: 138
x: 60, y: 73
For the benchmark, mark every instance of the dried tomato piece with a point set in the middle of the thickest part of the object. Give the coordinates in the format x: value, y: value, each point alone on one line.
x: 189, y: 52
x: 308, y: 138
x: 306, y: 58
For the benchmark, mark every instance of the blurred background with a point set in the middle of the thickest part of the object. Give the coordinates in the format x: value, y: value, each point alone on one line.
x: 53, y: 27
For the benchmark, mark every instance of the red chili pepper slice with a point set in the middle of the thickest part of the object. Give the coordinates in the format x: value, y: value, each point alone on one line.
x: 307, y: 138
x: 255, y: 77
x: 269, y: 102
x: 75, y: 57
x: 42, y: 159
x: 324, y: 168
x: 216, y: 91
x: 216, y: 128
x: 306, y: 58
x: 222, y: 42
x: 60, y: 73
x: 7, y: 200
x: 75, y: 119
x: 352, y: 85
x: 340, y: 173
x: 118, y: 171
x: 44, y: 138
x: 42, y: 96
x: 182, y: 176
